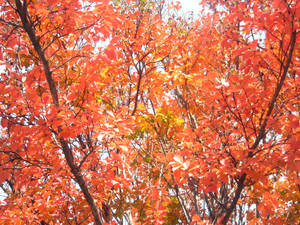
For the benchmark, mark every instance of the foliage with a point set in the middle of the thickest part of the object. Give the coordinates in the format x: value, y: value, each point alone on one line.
x: 127, y: 112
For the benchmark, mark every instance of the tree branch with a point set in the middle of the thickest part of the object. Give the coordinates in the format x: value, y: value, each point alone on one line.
x: 262, y: 130
x: 27, y: 26
x: 21, y: 9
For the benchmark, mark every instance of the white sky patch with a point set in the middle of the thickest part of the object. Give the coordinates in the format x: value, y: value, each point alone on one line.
x: 190, y: 5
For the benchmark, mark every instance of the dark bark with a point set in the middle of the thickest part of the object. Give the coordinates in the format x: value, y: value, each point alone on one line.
x: 241, y: 185
x: 21, y: 9
x: 28, y: 27
x: 262, y: 130
x: 137, y: 93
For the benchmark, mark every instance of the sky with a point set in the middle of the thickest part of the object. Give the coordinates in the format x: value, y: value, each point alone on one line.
x: 190, y: 5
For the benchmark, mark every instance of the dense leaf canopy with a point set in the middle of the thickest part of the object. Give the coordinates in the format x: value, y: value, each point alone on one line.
x: 132, y: 112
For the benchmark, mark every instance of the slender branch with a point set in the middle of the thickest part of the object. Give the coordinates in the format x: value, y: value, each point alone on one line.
x: 277, y: 91
x: 137, y: 93
x: 10, y: 23
x: 262, y: 130
x: 181, y: 202
x: 81, y: 182
x: 21, y: 9
x: 27, y: 26
x: 241, y: 185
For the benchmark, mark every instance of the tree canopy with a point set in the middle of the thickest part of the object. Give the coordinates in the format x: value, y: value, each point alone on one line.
x: 132, y: 112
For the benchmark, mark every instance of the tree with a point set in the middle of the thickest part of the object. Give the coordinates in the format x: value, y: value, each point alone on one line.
x: 127, y: 112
